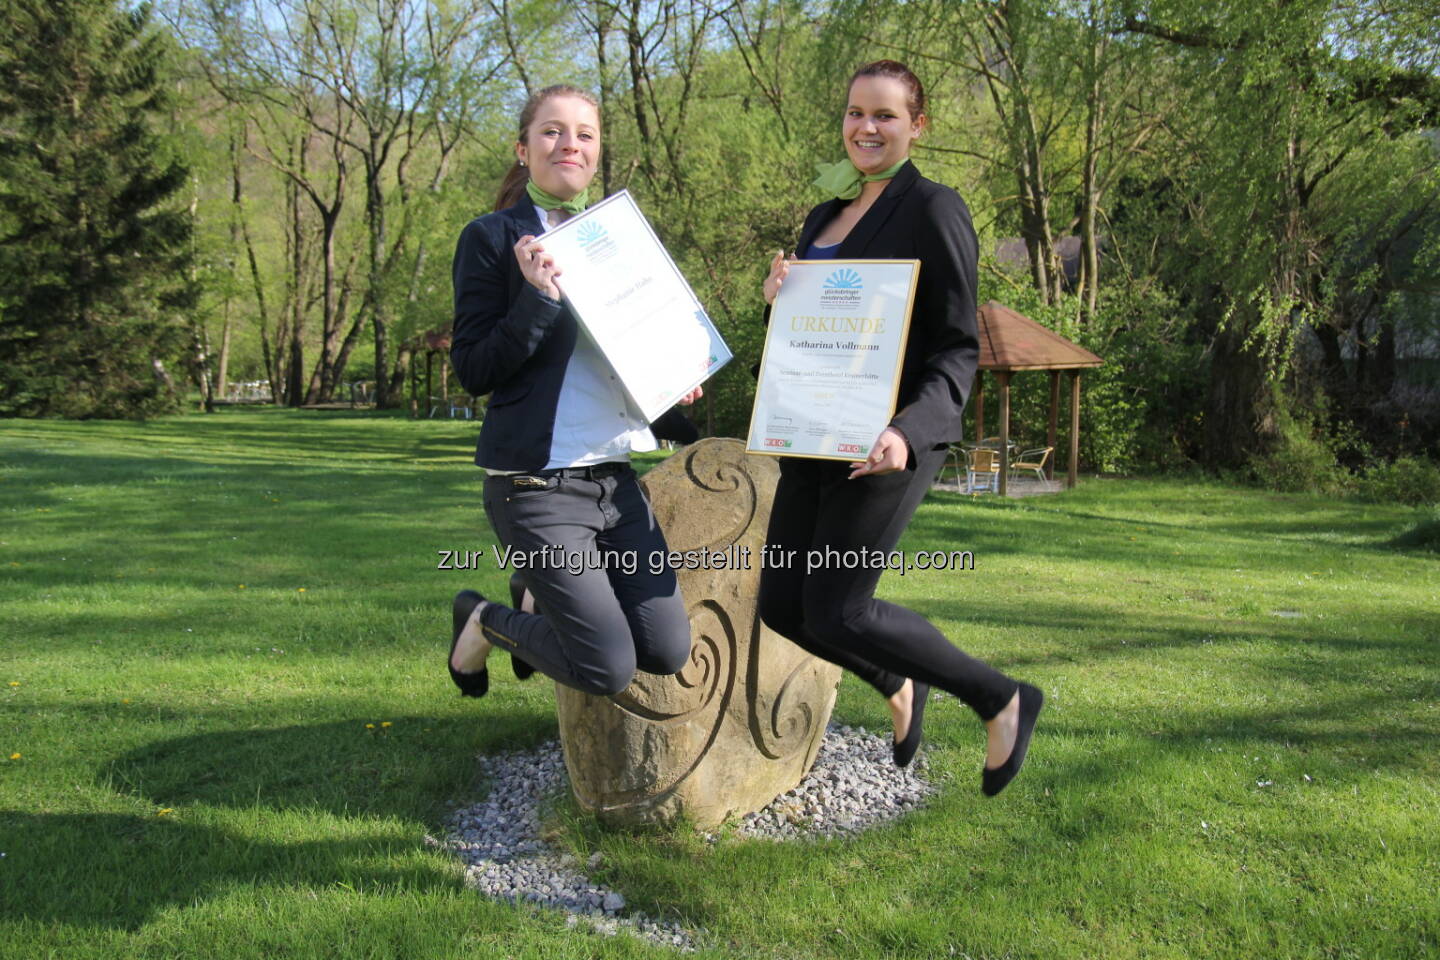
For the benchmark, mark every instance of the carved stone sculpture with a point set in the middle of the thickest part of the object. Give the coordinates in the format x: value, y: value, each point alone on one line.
x: 741, y: 724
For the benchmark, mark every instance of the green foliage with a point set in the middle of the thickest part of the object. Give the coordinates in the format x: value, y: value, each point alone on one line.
x: 94, y: 253
x: 1257, y: 173
x: 1425, y: 535
x: 1302, y: 459
x: 1301, y: 172
x: 1141, y: 409
x: 1410, y: 480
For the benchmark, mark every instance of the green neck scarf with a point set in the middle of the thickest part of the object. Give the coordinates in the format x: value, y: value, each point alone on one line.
x: 842, y: 180
x: 548, y: 201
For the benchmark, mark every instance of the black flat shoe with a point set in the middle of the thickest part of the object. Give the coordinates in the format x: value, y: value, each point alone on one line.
x: 904, y: 750
x: 993, y: 781
x: 472, y: 683
x: 522, y: 669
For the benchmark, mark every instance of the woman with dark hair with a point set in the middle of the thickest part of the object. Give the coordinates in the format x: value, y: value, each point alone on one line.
x: 556, y: 440
x: 884, y: 209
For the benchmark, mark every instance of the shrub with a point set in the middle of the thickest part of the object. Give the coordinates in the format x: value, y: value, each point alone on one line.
x: 1425, y: 535
x: 1409, y: 480
x: 1137, y: 411
x: 1301, y: 460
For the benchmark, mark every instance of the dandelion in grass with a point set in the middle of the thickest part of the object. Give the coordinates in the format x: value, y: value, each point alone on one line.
x: 242, y: 586
x: 14, y: 756
x: 125, y: 701
x: 14, y: 683
x: 164, y: 811
x: 369, y: 726
x: 385, y: 723
x: 301, y: 590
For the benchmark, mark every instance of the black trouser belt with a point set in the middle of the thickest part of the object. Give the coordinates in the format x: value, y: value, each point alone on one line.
x: 595, y: 472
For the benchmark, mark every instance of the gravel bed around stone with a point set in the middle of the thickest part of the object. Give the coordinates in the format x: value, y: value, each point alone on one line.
x: 852, y: 786
x: 499, y: 842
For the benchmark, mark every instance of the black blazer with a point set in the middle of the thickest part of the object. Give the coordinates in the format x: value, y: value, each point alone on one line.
x: 513, y: 342
x: 920, y: 219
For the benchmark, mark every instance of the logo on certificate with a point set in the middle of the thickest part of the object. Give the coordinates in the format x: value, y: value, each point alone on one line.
x: 841, y: 290
x: 776, y: 442
x: 595, y: 241
x: 849, y: 448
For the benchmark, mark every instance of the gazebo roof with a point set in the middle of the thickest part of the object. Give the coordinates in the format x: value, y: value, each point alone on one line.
x: 1009, y: 341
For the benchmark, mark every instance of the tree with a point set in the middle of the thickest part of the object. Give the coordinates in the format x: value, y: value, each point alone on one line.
x: 94, y: 242
x: 389, y: 89
x: 1291, y: 100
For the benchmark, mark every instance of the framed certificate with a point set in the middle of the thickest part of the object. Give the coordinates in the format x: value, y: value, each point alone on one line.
x: 634, y: 303
x: 831, y: 367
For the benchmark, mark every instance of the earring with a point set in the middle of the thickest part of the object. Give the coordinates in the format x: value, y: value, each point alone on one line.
x: 521, y: 162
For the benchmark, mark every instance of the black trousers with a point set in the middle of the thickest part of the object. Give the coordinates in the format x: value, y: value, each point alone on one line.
x: 832, y: 611
x: 587, y: 544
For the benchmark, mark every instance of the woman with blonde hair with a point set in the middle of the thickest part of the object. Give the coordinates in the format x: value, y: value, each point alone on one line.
x: 556, y: 439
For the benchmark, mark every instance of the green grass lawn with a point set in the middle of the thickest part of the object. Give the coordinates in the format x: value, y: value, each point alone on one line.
x: 200, y: 615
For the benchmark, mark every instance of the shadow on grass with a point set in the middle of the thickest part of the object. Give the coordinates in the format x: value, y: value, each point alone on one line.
x: 1067, y: 530
x: 117, y: 871
x: 266, y: 434
x: 204, y: 525
x: 409, y: 770
x: 1096, y: 632
x: 376, y: 789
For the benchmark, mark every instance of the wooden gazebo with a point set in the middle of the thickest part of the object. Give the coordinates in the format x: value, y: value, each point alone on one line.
x: 1010, y: 343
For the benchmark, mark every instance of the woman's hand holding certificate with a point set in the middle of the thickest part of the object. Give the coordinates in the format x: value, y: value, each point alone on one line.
x: 537, y: 266
x: 831, y: 367
x: 779, y: 267
x: 890, y: 453
x: 634, y: 303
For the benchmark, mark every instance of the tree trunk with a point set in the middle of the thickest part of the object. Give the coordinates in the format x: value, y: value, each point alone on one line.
x: 268, y: 356
x: 1035, y: 229
x: 1090, y: 191
x: 602, y: 27
x: 199, y: 336
x: 322, y: 387
x: 1332, y: 364
x: 1383, y: 370
x: 1236, y: 422
x: 396, y: 384
x: 222, y: 366
x: 295, y: 386
x: 635, y: 44
x: 1029, y: 162
x: 352, y: 336
x: 385, y: 386
x: 200, y: 358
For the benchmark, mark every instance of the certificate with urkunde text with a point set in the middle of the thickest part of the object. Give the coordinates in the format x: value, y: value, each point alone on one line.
x: 634, y: 303
x: 831, y: 367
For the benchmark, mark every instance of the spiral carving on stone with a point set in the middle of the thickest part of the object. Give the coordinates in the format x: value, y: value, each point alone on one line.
x: 719, y: 467
x: 681, y: 696
x: 741, y: 722
x: 789, y: 722
x: 712, y: 660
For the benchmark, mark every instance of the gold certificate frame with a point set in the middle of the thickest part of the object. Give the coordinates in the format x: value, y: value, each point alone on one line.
x: 830, y: 371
